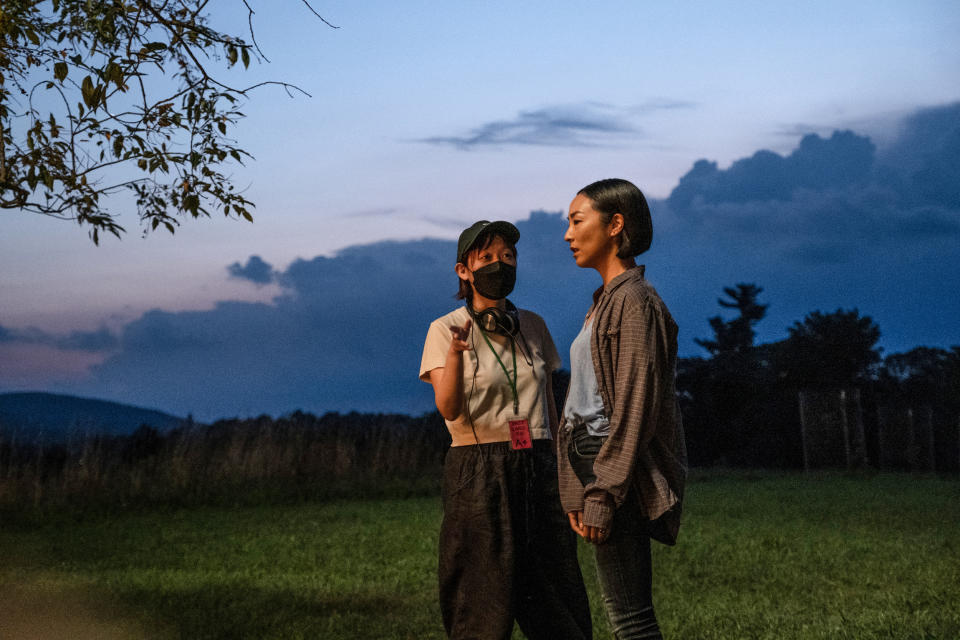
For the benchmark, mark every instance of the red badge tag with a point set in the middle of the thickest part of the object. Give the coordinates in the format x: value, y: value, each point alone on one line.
x: 520, y: 434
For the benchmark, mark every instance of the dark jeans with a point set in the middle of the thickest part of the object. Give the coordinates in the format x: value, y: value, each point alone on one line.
x: 624, y: 571
x: 506, y: 550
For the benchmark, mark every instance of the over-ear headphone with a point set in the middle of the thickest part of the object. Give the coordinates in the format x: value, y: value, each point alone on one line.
x: 494, y: 320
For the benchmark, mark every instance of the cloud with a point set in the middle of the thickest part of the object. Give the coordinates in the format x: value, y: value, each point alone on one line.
x: 843, y: 160
x: 345, y: 333
x: 829, y: 225
x: 923, y: 163
x: 578, y: 125
x: 799, y: 130
x: 832, y: 196
x: 93, y: 341
x: 101, y: 340
x: 837, y: 222
x: 661, y: 104
x: 256, y: 271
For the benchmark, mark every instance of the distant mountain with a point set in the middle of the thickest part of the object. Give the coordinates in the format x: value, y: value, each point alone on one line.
x: 53, y: 417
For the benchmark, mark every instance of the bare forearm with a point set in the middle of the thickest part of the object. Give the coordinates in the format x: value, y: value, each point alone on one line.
x: 448, y: 385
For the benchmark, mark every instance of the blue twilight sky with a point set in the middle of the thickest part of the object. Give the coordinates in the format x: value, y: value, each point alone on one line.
x: 427, y: 116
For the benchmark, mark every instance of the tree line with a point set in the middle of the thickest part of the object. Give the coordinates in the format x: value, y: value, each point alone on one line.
x: 740, y: 403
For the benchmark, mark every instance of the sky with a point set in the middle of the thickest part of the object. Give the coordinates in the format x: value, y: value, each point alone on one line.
x: 810, y: 148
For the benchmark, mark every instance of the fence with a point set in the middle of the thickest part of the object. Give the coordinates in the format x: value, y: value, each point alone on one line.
x: 898, y: 435
x: 831, y: 427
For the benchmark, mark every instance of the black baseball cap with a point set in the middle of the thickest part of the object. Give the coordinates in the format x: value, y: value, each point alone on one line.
x: 469, y: 236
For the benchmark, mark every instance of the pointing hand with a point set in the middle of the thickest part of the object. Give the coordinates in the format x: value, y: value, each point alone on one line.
x: 460, y: 335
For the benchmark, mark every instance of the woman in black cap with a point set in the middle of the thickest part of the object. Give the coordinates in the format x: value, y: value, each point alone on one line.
x: 622, y: 452
x: 506, y: 551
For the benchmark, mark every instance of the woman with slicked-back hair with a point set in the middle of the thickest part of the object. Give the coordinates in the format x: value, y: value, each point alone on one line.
x: 622, y: 456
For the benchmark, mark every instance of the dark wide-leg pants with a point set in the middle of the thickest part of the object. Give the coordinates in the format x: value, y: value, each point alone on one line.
x: 506, y: 549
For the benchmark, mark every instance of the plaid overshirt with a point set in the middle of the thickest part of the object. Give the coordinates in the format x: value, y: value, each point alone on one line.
x: 634, y: 349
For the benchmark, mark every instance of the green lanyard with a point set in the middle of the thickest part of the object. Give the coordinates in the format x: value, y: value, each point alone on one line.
x: 513, y: 382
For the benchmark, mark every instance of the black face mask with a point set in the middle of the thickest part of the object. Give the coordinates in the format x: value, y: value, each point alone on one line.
x: 495, y: 281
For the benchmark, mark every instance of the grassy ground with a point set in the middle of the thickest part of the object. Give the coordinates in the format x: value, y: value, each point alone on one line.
x: 760, y: 556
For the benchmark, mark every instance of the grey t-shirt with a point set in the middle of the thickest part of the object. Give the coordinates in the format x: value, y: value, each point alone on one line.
x: 584, y: 404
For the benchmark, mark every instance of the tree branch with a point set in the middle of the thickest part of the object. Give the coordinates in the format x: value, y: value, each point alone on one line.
x: 318, y: 15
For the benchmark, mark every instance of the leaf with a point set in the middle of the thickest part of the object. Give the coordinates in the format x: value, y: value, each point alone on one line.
x: 245, y: 57
x: 88, y: 92
x: 118, y: 146
x: 60, y: 71
x: 114, y: 74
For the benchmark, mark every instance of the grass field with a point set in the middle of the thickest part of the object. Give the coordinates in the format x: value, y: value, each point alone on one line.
x: 760, y: 556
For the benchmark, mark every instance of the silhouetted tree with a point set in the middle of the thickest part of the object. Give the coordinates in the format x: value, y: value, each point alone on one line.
x: 733, y: 407
x: 922, y: 374
x: 736, y: 335
x: 830, y: 350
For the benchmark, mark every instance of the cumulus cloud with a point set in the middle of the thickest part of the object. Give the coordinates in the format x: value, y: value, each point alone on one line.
x: 577, y: 125
x: 923, y: 164
x: 256, y: 271
x: 835, y: 223
x: 838, y: 189
x: 843, y: 160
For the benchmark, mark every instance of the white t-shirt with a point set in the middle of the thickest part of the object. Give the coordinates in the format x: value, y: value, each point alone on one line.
x: 487, y: 398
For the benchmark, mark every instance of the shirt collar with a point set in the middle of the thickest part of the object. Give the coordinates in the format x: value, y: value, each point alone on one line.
x: 633, y: 273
